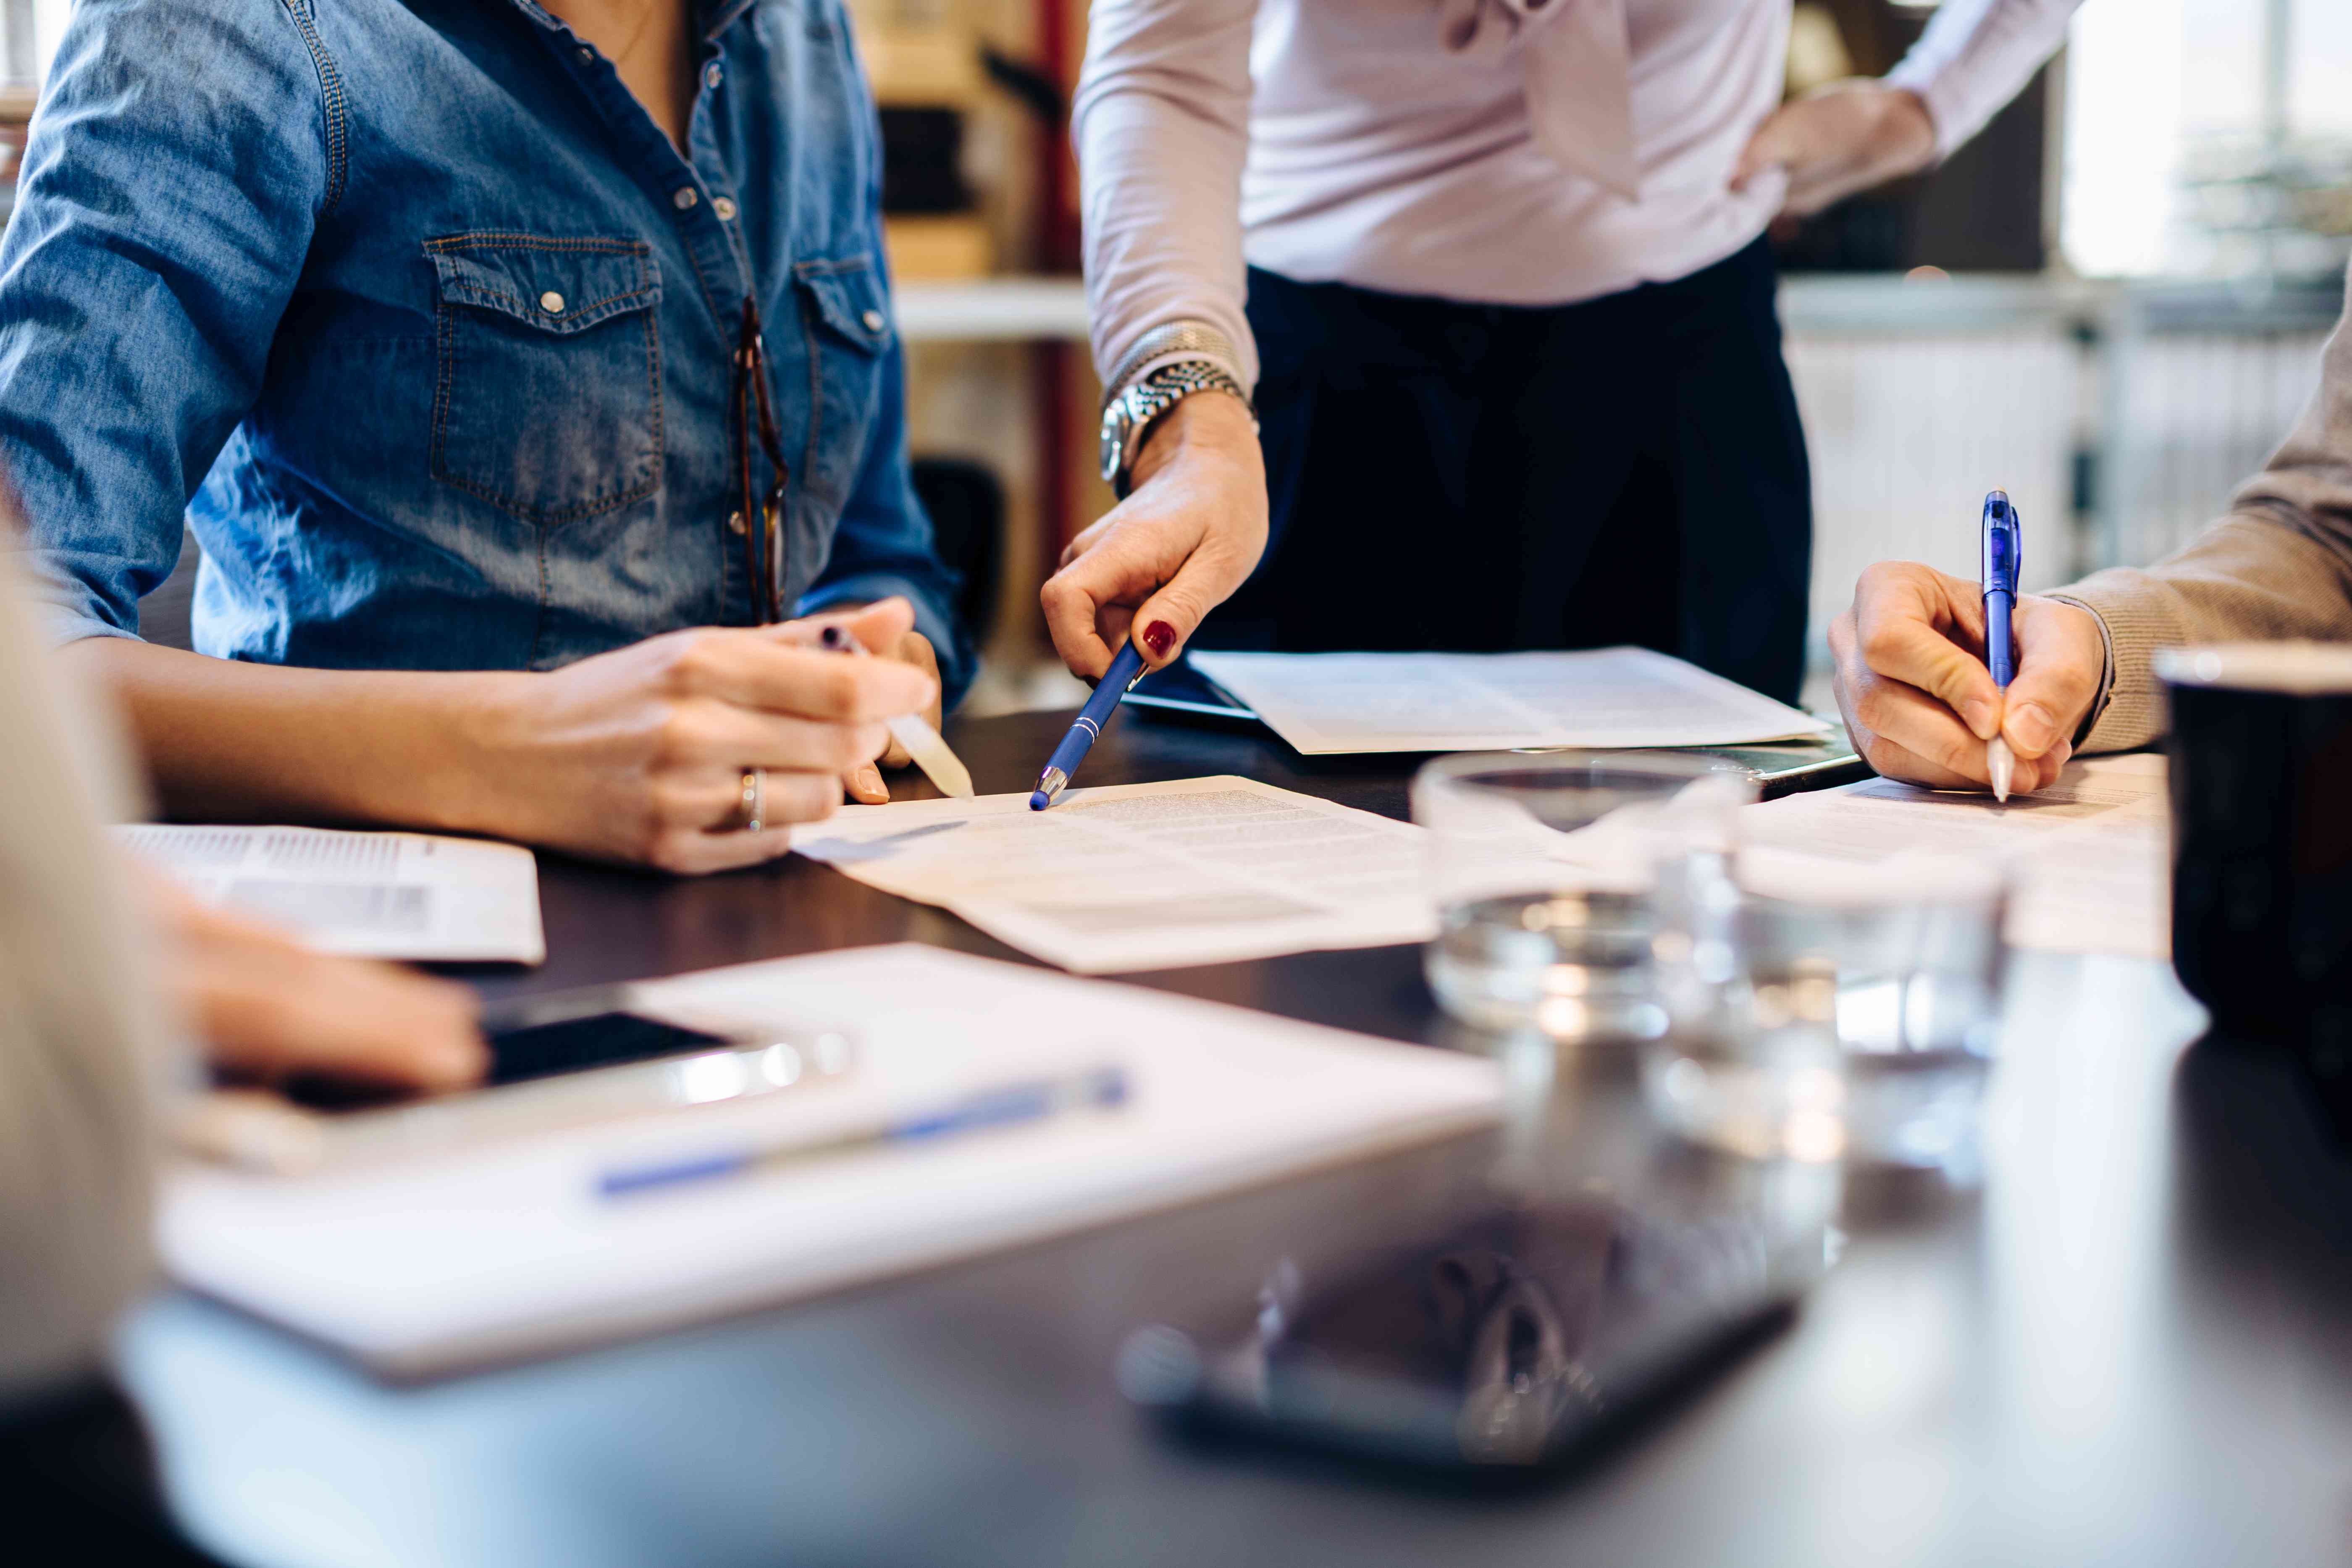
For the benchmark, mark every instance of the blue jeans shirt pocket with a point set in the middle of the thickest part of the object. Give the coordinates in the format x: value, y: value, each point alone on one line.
x: 548, y: 403
x: 845, y: 315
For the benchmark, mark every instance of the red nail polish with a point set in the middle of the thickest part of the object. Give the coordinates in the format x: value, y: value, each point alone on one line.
x: 1159, y: 636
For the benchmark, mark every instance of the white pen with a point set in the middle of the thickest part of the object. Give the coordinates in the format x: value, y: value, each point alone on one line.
x: 930, y: 753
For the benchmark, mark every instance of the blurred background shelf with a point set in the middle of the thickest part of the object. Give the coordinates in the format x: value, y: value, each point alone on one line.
x: 994, y: 309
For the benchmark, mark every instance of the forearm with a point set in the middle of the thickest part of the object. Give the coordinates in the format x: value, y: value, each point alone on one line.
x: 227, y: 741
x: 2247, y: 578
x: 1975, y: 56
x: 1162, y: 122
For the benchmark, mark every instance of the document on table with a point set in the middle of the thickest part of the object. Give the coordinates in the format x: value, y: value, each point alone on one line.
x: 1334, y: 702
x: 481, y: 1254
x: 370, y: 895
x: 2090, y: 855
x: 1156, y: 876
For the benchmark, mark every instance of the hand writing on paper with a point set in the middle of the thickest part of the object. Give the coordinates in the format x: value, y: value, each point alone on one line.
x: 877, y: 627
x: 1186, y: 537
x: 1908, y: 667
x: 639, y: 754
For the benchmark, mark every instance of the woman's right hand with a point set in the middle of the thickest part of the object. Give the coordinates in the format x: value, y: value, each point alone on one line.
x: 1187, y: 535
x: 638, y: 755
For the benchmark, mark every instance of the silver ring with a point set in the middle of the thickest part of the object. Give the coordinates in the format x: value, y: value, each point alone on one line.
x: 755, y: 802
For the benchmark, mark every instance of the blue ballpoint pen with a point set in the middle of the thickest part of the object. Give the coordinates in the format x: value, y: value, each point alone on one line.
x: 1103, y: 1086
x: 2002, y: 543
x: 1126, y: 669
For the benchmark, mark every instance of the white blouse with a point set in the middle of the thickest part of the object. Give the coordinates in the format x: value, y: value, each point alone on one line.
x: 1501, y: 151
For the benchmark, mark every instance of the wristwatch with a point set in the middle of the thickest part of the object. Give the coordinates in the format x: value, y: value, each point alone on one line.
x: 1129, y: 417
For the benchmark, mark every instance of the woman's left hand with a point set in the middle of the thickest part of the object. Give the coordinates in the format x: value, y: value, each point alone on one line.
x: 1846, y: 137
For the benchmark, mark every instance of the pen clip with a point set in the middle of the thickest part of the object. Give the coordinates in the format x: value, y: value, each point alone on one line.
x: 2002, y: 544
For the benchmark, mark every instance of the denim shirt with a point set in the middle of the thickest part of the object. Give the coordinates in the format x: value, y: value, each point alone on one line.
x: 427, y: 327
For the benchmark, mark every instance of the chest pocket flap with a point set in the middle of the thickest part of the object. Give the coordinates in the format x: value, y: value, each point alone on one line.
x: 558, y: 286
x: 849, y: 299
x: 549, y: 404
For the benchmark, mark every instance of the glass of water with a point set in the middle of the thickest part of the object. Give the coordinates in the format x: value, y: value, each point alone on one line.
x: 1840, y: 1013
x: 1544, y: 870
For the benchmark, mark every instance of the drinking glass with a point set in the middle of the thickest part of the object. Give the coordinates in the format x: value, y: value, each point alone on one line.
x: 1543, y: 869
x: 1840, y: 1013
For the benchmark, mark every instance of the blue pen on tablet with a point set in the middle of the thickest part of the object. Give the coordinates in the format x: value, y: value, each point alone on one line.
x: 2002, y: 543
x: 1126, y: 669
x: 1102, y: 1086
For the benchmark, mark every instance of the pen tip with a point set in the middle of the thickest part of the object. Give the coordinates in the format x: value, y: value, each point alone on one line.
x: 1039, y: 800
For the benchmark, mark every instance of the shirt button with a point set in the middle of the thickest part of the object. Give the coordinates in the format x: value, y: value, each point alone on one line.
x: 874, y: 321
x: 734, y: 522
x: 725, y: 207
x: 712, y: 76
x: 587, y: 55
x: 684, y: 197
x: 551, y: 302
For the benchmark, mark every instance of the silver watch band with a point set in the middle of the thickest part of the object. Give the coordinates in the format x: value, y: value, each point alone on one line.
x: 1190, y: 338
x: 1127, y: 418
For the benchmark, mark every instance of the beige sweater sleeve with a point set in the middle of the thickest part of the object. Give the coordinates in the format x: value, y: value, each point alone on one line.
x: 79, y: 1046
x: 2280, y: 565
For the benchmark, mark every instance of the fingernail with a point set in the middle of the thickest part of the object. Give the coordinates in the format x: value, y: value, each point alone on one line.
x: 1983, y: 720
x: 2032, y: 727
x: 1159, y: 636
x: 868, y: 780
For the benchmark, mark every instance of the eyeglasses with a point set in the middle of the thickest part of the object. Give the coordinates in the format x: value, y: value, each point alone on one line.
x: 758, y: 518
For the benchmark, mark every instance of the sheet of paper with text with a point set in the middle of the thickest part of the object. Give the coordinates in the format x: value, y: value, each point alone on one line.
x: 1154, y: 876
x: 2090, y: 853
x: 372, y: 895
x: 1324, y: 703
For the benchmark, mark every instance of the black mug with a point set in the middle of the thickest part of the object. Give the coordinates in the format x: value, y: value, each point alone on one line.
x: 2261, y: 839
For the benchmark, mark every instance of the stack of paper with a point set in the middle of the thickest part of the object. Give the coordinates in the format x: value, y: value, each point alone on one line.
x: 510, y: 1251
x: 1144, y: 876
x: 1330, y: 702
x: 373, y: 895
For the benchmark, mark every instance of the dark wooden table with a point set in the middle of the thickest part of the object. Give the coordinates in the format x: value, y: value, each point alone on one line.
x: 2130, y: 1343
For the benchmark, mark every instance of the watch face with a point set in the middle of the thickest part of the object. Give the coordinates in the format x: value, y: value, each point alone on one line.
x: 1112, y: 429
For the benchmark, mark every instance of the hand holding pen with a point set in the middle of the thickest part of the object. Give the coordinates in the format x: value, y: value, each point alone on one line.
x: 1919, y: 700
x: 899, y: 739
x: 911, y: 733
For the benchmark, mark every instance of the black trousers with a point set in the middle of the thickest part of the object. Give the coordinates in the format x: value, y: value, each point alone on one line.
x: 1482, y: 477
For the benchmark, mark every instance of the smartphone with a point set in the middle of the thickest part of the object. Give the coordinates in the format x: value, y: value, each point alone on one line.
x: 555, y: 1062
x: 1515, y: 1341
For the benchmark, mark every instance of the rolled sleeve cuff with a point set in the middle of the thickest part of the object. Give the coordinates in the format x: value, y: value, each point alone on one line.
x: 2129, y: 710
x: 65, y: 608
x: 1951, y: 109
x: 957, y: 665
